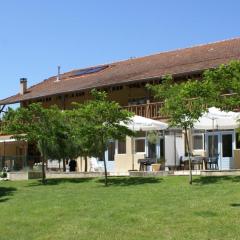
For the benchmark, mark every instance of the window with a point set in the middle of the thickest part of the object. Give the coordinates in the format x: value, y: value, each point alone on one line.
x: 237, y: 141
x: 198, y: 141
x: 140, y: 145
x: 227, y: 150
x: 79, y: 94
x: 137, y: 101
x: 111, y: 151
x: 162, y: 154
x: 122, y: 146
x: 117, y: 88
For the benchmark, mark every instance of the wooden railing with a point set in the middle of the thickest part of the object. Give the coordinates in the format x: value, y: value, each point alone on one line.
x: 152, y: 110
x: 148, y: 110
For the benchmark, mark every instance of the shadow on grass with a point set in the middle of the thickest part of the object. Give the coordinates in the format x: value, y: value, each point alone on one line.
x: 215, y: 179
x: 57, y: 181
x: 205, y: 214
x: 128, y: 181
x: 6, y: 191
x: 235, y: 204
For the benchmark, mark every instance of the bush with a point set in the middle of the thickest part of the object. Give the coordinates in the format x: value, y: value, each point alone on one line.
x: 3, y: 175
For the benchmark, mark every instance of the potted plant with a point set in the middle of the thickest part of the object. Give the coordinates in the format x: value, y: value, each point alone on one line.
x: 3, y: 174
x: 157, y: 166
x: 152, y: 137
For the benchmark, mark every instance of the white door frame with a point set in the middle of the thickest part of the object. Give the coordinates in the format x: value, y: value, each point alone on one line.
x: 221, y: 159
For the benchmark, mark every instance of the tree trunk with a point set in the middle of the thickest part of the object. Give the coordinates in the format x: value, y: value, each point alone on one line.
x: 64, y: 165
x: 86, y: 164
x: 41, y: 147
x: 105, y: 169
x: 189, y: 158
x: 43, y: 170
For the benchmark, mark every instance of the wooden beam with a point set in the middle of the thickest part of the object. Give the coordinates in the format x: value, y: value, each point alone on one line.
x: 2, y: 108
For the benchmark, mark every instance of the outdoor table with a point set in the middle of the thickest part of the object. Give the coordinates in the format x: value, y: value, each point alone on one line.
x: 145, y: 162
x: 198, y: 161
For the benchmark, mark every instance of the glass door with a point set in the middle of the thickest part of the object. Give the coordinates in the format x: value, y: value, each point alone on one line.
x: 227, y: 150
x: 152, y: 150
x: 221, y: 144
x: 213, y: 146
x: 110, y: 156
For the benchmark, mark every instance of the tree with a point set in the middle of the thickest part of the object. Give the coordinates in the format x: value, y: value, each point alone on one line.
x: 185, y: 102
x: 34, y: 124
x: 96, y: 123
x: 62, y: 147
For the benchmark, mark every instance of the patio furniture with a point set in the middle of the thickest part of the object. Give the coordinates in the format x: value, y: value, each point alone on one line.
x: 145, y: 162
x: 181, y: 164
x: 212, y: 162
x: 95, y: 166
x: 197, y: 162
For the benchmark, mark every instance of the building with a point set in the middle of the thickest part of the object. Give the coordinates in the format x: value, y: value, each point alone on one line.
x: 125, y: 81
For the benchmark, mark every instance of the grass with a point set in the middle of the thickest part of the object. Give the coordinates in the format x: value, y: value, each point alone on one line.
x: 130, y: 208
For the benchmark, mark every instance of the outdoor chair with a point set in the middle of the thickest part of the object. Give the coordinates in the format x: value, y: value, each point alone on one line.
x: 213, y: 163
x: 181, y: 164
x: 94, y: 166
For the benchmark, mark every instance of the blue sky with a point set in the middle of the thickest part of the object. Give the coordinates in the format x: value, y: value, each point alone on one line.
x: 36, y: 36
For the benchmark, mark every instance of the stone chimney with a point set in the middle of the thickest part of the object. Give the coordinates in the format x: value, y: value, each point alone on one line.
x: 23, y: 86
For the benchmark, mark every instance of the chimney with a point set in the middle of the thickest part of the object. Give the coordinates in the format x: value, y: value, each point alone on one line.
x: 23, y: 86
x: 59, y: 74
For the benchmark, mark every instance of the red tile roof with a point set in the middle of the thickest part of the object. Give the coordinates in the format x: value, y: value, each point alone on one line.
x: 175, y: 62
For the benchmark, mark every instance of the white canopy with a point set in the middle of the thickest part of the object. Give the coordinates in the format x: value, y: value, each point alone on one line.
x: 216, y: 119
x: 139, y: 123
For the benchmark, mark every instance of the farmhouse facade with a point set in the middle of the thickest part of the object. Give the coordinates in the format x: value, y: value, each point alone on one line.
x: 125, y: 82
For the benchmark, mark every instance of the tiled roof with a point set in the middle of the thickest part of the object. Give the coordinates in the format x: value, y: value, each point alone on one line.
x: 178, y: 61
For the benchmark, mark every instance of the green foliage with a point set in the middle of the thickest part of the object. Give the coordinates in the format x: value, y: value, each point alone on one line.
x: 225, y: 80
x: 177, y: 105
x: 3, y: 174
x: 35, y: 124
x: 152, y: 137
x: 97, y: 122
x: 84, y: 131
x: 185, y: 102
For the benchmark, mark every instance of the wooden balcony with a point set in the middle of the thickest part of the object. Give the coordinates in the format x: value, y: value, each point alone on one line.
x: 148, y: 110
x: 152, y: 110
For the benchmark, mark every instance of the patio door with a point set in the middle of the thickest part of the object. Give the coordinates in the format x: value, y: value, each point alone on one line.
x: 221, y: 144
x: 154, y: 150
x: 227, y: 150
x: 109, y: 157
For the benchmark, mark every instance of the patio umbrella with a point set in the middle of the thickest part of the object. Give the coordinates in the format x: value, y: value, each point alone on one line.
x: 216, y: 119
x: 138, y: 123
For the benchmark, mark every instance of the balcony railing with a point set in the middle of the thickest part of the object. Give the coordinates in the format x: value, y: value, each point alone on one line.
x: 152, y: 110
x: 148, y: 110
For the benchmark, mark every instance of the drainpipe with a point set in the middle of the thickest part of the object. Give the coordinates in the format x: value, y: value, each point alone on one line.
x: 132, y: 140
x: 4, y: 152
x: 175, y: 150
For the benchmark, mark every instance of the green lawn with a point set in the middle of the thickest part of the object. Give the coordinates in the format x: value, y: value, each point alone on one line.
x: 130, y: 208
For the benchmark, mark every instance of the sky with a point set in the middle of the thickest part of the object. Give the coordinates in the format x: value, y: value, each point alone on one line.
x: 38, y: 35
